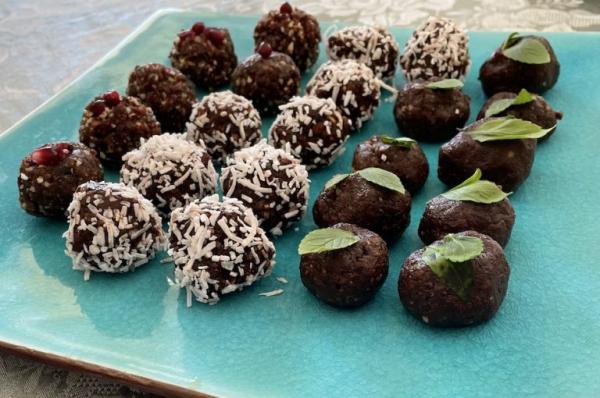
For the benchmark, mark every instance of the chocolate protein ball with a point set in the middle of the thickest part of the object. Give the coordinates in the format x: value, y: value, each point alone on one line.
x: 218, y: 248
x: 113, y: 125
x: 268, y: 78
x: 170, y: 171
x: 429, y: 298
x: 112, y: 228
x: 347, y: 277
x: 271, y: 182
x: 537, y: 111
x: 501, y: 73
x: 428, y: 114
x: 50, y: 174
x: 351, y: 85
x: 225, y: 122
x: 407, y: 161
x: 372, y: 46
x: 437, y: 48
x: 507, y: 163
x: 356, y: 200
x: 291, y: 31
x: 312, y: 129
x: 167, y: 91
x: 443, y: 216
x: 205, y: 55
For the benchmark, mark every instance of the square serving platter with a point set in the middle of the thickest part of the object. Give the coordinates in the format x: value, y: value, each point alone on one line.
x: 544, y: 341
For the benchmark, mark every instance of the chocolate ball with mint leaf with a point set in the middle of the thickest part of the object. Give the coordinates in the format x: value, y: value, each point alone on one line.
x: 475, y: 204
x: 506, y: 162
x: 350, y: 273
x: 431, y: 110
x: 448, y: 287
x: 534, y: 109
x: 399, y: 155
x: 371, y: 198
x: 520, y: 62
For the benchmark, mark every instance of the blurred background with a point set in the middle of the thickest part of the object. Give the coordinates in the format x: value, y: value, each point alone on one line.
x: 45, y: 44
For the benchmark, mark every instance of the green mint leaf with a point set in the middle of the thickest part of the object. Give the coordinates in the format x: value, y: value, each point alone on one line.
x: 404, y: 142
x: 473, y: 189
x: 527, y: 50
x: 457, y: 276
x: 500, y: 106
x: 326, y: 239
x: 445, y: 84
x: 510, y: 40
x: 335, y: 180
x: 382, y: 178
x: 458, y: 248
x: 506, y: 128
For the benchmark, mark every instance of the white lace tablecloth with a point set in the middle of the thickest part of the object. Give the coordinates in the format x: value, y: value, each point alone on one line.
x: 45, y: 44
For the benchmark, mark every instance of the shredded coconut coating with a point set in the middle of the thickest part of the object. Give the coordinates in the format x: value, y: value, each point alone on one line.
x: 112, y: 228
x: 437, y: 48
x: 226, y: 122
x: 312, y: 129
x: 373, y: 46
x: 170, y: 171
x: 218, y: 248
x: 351, y: 85
x: 270, y: 181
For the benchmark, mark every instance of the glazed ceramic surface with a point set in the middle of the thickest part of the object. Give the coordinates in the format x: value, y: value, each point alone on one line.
x: 543, y: 342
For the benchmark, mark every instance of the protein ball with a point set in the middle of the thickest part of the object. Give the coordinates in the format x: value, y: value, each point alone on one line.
x: 431, y: 115
x: 347, y: 277
x: 218, y: 248
x: 271, y: 182
x: 537, y: 111
x: 113, y: 125
x: 112, y: 228
x: 291, y: 31
x: 437, y: 48
x: 312, y: 129
x: 409, y: 164
x: 351, y: 85
x: 204, y: 54
x: 372, y: 46
x: 269, y: 79
x: 225, y: 122
x: 507, y: 163
x: 428, y: 298
x: 500, y: 73
x: 50, y: 174
x: 167, y: 91
x: 356, y: 200
x: 443, y: 216
x: 170, y: 171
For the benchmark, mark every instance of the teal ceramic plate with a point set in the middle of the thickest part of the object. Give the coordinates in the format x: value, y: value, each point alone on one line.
x: 545, y: 340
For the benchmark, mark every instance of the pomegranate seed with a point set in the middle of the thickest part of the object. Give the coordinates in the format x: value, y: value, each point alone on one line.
x: 215, y: 36
x: 198, y: 28
x: 63, y: 149
x: 286, y: 8
x: 45, y: 156
x: 97, y: 107
x: 264, y: 49
x: 186, y: 34
x: 111, y: 98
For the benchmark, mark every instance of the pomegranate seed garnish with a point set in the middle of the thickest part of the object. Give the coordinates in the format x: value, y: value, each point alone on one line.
x: 111, y: 98
x: 264, y: 49
x: 198, y: 28
x: 286, y: 8
x: 97, y: 107
x: 63, y: 149
x: 186, y: 34
x: 215, y: 36
x: 45, y: 156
